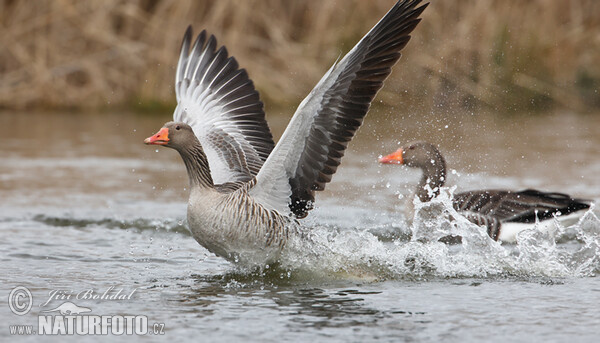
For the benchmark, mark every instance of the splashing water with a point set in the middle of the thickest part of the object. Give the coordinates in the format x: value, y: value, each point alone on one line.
x: 357, y: 253
x: 417, y: 250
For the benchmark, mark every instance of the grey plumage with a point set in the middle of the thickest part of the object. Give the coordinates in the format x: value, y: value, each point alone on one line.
x: 494, y: 207
x: 244, y: 192
x: 344, y: 105
x: 315, y: 141
x: 490, y: 208
x: 220, y: 102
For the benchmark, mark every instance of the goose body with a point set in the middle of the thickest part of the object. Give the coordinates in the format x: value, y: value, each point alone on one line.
x: 246, y: 192
x: 504, y: 213
x: 233, y: 233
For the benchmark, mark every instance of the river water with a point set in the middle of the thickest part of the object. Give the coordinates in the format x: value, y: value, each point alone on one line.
x: 88, y: 209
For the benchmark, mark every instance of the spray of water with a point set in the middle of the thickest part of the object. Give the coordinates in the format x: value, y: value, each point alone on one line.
x: 415, y: 250
x: 355, y: 252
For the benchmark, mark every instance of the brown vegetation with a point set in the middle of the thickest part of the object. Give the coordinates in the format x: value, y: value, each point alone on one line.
x: 508, y: 55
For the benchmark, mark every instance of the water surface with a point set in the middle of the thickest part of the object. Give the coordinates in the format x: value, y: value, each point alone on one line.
x: 87, y: 206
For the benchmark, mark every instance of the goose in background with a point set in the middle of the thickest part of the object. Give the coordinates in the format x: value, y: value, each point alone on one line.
x: 504, y: 213
x: 246, y: 193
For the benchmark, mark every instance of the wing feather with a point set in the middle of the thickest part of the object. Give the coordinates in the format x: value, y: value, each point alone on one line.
x: 524, y: 206
x: 314, y: 142
x: 219, y: 101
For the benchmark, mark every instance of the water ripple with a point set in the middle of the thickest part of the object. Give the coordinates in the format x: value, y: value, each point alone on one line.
x: 167, y: 225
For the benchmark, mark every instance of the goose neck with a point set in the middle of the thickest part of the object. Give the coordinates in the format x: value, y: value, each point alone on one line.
x: 433, y: 178
x: 197, y: 166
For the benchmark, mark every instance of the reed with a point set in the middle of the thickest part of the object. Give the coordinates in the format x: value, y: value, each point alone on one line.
x: 508, y: 55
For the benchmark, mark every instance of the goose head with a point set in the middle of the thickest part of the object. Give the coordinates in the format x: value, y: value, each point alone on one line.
x: 420, y: 154
x: 181, y: 137
x: 427, y: 157
x: 176, y: 135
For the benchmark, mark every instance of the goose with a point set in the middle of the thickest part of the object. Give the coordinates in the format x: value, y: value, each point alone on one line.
x: 503, y: 213
x: 246, y: 193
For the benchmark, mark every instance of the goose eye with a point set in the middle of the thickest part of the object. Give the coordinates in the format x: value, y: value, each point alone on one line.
x: 177, y: 127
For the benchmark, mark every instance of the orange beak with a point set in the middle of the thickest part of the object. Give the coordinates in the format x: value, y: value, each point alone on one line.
x: 160, y: 138
x: 393, y: 158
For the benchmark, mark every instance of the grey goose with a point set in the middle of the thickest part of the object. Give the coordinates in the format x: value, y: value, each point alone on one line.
x: 503, y: 213
x: 246, y: 192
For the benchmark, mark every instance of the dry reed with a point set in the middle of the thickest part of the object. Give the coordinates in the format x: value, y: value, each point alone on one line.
x: 508, y: 55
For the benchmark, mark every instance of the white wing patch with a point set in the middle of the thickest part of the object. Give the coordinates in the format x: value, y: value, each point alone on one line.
x: 220, y: 103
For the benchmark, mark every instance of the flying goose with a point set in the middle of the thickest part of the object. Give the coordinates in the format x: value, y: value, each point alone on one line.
x: 246, y: 193
x: 504, y: 213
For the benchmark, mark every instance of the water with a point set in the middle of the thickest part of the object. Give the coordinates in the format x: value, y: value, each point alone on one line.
x: 86, y: 206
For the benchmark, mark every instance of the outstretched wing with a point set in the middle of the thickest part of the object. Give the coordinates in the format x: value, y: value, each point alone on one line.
x: 218, y: 100
x: 522, y: 207
x: 314, y: 142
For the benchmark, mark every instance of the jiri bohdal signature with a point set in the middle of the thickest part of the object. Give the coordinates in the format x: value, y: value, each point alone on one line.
x: 89, y: 294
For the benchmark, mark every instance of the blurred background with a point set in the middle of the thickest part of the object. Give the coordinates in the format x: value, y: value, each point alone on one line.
x: 498, y: 55
x: 508, y: 89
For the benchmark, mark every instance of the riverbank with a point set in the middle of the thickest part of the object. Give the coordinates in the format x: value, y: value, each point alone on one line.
x: 507, y: 56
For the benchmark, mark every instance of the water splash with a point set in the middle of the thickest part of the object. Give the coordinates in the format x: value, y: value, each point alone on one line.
x: 355, y: 253
x: 412, y: 251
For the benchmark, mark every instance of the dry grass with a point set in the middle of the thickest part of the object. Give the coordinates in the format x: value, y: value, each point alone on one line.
x: 508, y: 55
